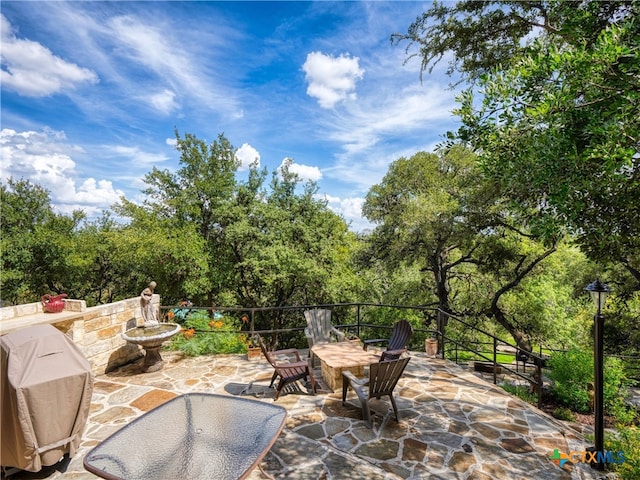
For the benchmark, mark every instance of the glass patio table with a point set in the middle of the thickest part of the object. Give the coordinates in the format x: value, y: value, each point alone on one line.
x: 193, y: 436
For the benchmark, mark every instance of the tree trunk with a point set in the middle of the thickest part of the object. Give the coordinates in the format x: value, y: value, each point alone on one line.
x: 521, y: 338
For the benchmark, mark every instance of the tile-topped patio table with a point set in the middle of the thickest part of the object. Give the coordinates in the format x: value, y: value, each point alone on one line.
x: 193, y: 436
x: 339, y: 356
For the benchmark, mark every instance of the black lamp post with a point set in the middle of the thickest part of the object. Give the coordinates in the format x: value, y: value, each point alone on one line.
x: 599, y: 292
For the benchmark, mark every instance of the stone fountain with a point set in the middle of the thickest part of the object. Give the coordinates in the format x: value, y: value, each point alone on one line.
x: 151, y: 338
x: 151, y: 335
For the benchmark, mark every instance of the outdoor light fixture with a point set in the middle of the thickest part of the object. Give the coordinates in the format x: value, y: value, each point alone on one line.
x: 599, y: 292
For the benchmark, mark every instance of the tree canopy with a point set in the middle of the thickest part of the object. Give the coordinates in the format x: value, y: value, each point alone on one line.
x: 199, y: 232
x: 553, y: 113
x: 478, y: 37
x: 33, y: 237
x: 439, y: 213
x: 222, y: 241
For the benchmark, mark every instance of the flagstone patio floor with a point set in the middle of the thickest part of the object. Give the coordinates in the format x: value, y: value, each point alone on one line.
x: 453, y: 424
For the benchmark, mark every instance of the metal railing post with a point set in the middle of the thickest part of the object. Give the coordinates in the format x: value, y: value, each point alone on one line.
x: 440, y: 322
x: 495, y: 361
x: 539, y: 382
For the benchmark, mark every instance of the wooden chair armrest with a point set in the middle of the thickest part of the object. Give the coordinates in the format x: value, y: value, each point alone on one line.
x: 353, y: 379
x: 341, y: 336
x: 394, y: 354
x: 373, y: 341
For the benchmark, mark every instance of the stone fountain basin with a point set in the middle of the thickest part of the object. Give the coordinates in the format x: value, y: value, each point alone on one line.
x: 151, y: 336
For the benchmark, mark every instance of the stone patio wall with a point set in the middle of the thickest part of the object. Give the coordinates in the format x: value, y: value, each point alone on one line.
x: 96, y: 330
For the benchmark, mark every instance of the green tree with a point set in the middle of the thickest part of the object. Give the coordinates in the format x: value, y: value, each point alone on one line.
x: 421, y: 215
x: 553, y: 115
x: 437, y: 213
x: 24, y: 206
x: 171, y: 253
x: 286, y: 245
x: 478, y: 37
x: 569, y: 142
x: 557, y: 126
x: 34, y: 243
x: 201, y: 233
x: 180, y: 225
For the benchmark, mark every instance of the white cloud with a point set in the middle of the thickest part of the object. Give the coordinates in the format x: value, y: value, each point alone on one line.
x: 304, y: 172
x: 135, y: 154
x: 140, y: 50
x: 330, y: 79
x: 158, y: 48
x: 148, y: 46
x: 171, y: 141
x: 43, y: 158
x: 411, y: 109
x: 383, y: 128
x: 32, y: 70
x: 246, y: 154
x: 164, y: 102
x: 350, y: 209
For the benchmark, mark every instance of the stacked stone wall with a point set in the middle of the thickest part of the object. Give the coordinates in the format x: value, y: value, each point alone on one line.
x: 96, y: 330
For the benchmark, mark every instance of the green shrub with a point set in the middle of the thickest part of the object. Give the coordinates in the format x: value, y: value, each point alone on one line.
x: 563, y: 413
x: 203, y: 335
x: 616, y: 386
x: 623, y: 414
x: 626, y: 440
x: 572, y: 374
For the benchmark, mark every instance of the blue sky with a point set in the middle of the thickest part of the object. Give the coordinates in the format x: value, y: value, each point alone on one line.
x: 92, y: 93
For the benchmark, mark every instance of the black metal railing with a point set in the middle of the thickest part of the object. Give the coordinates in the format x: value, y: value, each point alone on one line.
x: 286, y: 327
x: 446, y: 320
x: 287, y: 323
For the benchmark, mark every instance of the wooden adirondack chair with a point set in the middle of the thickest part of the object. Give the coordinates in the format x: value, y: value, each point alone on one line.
x: 397, y: 344
x: 287, y: 371
x: 319, y: 329
x: 383, y: 377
